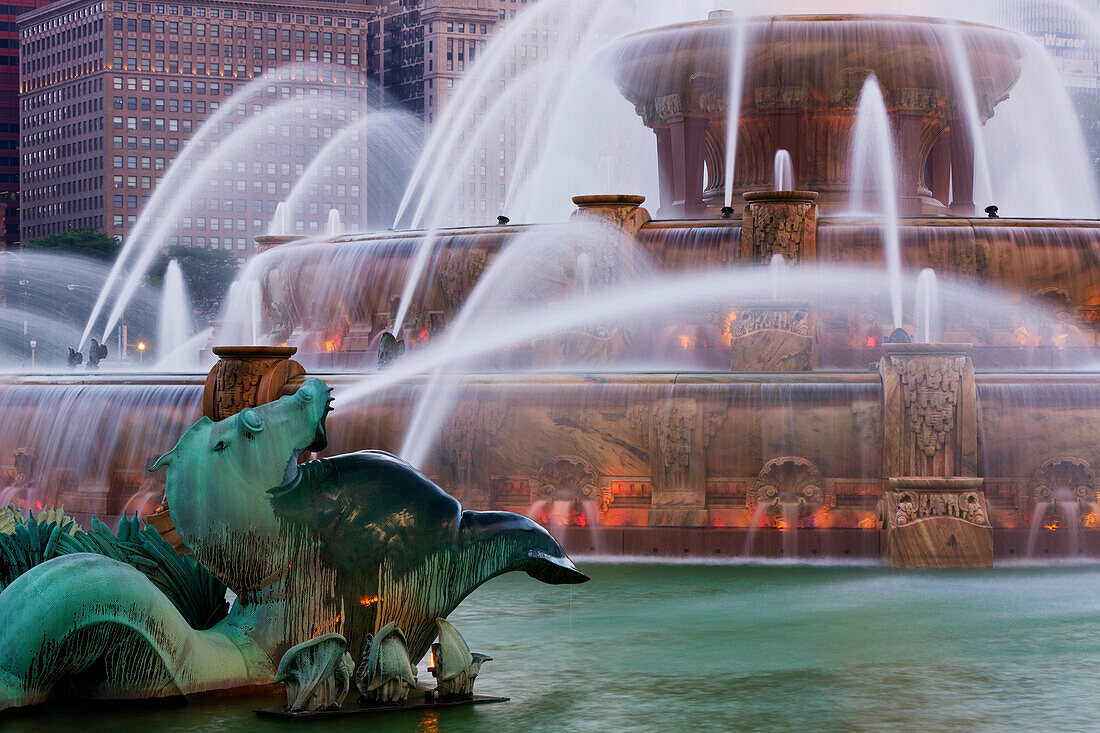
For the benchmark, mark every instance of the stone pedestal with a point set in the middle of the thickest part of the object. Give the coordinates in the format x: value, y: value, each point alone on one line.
x: 936, y: 523
x: 779, y: 223
x: 247, y: 376
x: 625, y: 211
x: 933, y: 511
x: 776, y: 336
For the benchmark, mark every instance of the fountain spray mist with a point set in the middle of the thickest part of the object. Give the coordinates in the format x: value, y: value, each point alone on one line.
x: 873, y: 166
x: 738, y: 50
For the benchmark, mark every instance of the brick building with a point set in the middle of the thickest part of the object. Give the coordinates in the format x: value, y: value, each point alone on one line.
x: 112, y: 90
x: 9, y: 115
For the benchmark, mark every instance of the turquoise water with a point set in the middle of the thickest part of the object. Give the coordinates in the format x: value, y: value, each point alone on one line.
x: 681, y: 647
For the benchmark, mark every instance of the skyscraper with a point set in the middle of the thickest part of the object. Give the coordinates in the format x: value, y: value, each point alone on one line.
x: 9, y: 115
x: 113, y: 90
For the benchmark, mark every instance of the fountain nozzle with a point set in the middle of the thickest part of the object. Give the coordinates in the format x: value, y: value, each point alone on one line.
x: 389, y: 350
x: 899, y: 336
x: 727, y: 212
x: 502, y: 220
x: 991, y: 211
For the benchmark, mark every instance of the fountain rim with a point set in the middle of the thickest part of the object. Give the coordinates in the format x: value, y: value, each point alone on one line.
x: 824, y: 18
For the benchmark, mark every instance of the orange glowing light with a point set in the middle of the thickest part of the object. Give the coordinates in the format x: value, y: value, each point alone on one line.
x: 727, y: 328
x: 368, y: 600
x: 141, y: 346
x: 685, y: 341
x: 1021, y: 336
x: 1052, y: 524
x: 781, y: 524
x: 867, y: 522
x: 1089, y: 520
x: 330, y: 346
x: 871, y: 342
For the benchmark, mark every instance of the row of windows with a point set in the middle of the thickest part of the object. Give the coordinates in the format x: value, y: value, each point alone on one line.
x: 66, y: 20
x: 173, y: 86
x: 61, y: 208
x: 176, y: 28
x: 159, y: 104
x: 202, y: 12
x: 228, y: 51
x: 240, y: 71
x: 65, y: 151
x: 146, y: 143
x: 31, y: 233
x: 65, y: 172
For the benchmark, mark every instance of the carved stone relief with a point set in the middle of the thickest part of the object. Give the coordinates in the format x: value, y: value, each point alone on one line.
x: 1064, y: 477
x: 572, y: 476
x: 788, y: 480
x: 930, y: 386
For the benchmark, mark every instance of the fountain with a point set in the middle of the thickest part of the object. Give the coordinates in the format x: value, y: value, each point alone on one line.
x: 650, y: 384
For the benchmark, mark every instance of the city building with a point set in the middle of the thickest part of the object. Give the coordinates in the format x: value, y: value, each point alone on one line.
x: 1067, y: 32
x: 9, y: 115
x: 112, y: 90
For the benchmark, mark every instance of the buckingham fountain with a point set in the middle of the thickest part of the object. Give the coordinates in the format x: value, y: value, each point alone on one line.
x: 795, y: 418
x: 810, y: 346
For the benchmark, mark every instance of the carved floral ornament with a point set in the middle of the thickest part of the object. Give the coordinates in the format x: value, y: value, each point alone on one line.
x: 573, y: 476
x: 930, y: 386
x: 753, y: 320
x: 1064, y: 477
x: 788, y: 479
x: 916, y: 505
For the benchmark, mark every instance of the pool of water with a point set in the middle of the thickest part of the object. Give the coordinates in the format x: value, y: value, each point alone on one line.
x: 676, y: 647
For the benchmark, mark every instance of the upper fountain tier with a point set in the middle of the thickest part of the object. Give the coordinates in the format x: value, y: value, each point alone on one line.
x: 800, y: 87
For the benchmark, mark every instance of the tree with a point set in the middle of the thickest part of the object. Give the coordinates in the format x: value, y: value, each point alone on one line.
x: 85, y: 241
x: 207, y: 273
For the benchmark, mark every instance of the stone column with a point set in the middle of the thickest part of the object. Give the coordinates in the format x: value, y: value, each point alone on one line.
x: 909, y: 108
x: 665, y: 172
x: 779, y: 222
x: 941, y: 169
x: 686, y: 141
x: 962, y: 169
x: 933, y: 512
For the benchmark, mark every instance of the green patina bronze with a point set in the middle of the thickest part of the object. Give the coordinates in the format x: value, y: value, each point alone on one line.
x: 454, y: 666
x: 386, y: 675
x: 317, y: 674
x: 342, y: 545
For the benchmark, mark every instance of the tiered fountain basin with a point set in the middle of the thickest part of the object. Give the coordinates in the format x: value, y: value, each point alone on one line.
x: 773, y: 422
x: 653, y: 464
x: 800, y: 85
x: 317, y: 298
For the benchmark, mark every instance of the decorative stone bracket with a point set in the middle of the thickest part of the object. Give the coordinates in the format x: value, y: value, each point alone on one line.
x: 930, y: 522
x: 933, y: 512
x: 772, y: 336
x: 247, y: 376
x: 779, y: 223
x: 930, y: 411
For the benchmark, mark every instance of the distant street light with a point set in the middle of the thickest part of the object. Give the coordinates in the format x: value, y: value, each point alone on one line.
x: 141, y: 351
